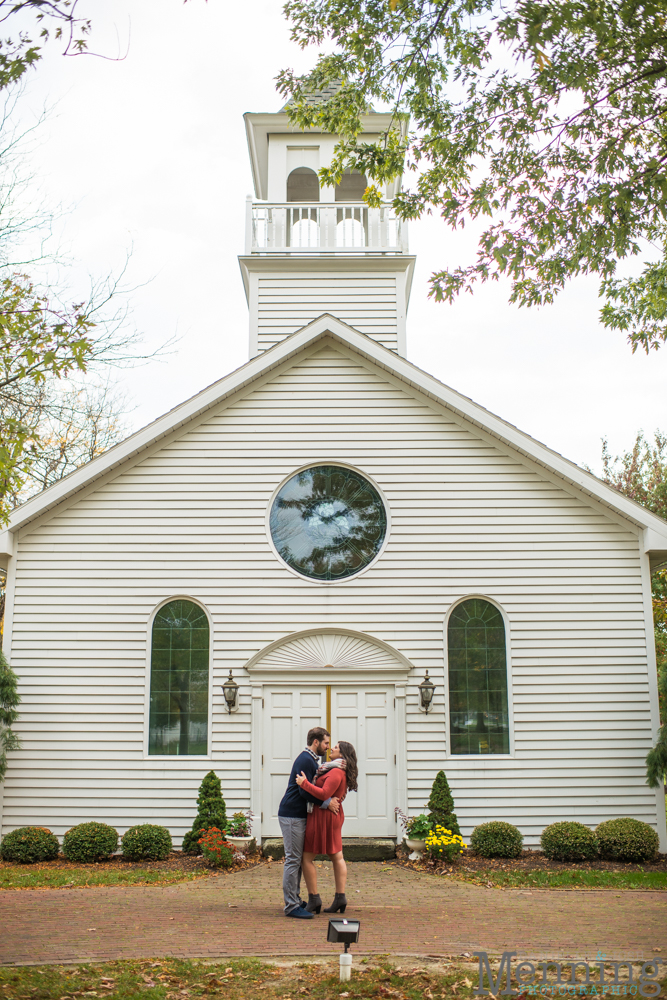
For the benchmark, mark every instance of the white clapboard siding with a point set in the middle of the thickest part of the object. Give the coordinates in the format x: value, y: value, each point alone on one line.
x: 286, y: 294
x: 188, y: 519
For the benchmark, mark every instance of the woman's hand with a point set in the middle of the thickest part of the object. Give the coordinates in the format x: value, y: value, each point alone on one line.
x: 300, y: 778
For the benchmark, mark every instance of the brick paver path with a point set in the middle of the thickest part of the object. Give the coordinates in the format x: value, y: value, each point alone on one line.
x: 401, y: 912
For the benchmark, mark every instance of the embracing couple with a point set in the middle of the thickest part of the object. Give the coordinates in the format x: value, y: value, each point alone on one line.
x: 311, y: 819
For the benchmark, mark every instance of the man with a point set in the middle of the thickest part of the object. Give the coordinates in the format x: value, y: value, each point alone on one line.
x: 292, y: 815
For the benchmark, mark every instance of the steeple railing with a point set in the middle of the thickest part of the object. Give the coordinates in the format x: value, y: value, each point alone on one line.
x: 322, y: 228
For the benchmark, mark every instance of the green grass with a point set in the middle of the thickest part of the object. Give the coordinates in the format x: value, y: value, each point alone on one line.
x: 249, y: 979
x: 171, y: 979
x: 575, y: 879
x: 43, y: 878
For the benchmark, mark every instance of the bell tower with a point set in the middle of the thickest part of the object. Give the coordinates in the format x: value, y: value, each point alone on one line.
x: 311, y: 250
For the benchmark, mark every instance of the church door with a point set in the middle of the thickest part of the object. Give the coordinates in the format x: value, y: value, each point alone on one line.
x: 362, y: 715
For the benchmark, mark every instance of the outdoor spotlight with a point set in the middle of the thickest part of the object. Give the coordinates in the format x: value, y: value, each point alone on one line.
x: 426, y: 689
x: 230, y: 689
x: 346, y: 932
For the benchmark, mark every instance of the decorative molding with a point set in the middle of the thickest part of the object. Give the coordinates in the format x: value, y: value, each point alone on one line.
x: 329, y: 650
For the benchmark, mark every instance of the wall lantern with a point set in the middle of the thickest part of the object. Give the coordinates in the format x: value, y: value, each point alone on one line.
x: 426, y: 689
x: 230, y: 689
x: 344, y: 932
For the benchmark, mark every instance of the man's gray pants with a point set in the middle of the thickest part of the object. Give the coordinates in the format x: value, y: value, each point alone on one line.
x: 294, y: 833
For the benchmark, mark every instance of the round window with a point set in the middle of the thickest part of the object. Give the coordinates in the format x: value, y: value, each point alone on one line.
x: 328, y: 522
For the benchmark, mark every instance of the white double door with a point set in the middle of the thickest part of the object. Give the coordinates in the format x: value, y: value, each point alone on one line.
x: 364, y: 716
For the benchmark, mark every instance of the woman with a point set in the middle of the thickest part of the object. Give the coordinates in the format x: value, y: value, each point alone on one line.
x: 323, y: 828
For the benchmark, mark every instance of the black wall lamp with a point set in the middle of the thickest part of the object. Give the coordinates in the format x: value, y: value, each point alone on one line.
x: 230, y: 689
x: 426, y: 689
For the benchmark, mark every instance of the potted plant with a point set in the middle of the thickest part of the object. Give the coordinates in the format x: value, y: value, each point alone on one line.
x: 417, y: 829
x: 238, y: 831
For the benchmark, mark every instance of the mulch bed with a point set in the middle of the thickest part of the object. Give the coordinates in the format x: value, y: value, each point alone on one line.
x: 529, y: 861
x: 176, y: 862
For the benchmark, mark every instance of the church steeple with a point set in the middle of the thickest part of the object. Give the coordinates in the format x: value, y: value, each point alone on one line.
x: 311, y: 250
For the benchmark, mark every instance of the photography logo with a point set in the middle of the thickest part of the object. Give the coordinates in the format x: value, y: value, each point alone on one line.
x: 552, y: 978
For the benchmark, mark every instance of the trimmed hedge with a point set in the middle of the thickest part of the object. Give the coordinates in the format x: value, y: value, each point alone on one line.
x: 146, y: 842
x: 29, y: 844
x: 497, y: 840
x: 627, y: 840
x: 569, y: 841
x: 90, y: 842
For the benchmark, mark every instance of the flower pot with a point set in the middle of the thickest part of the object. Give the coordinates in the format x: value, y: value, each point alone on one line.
x: 417, y: 847
x: 240, y: 843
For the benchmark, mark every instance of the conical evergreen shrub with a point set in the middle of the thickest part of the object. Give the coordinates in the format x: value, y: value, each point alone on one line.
x: 211, y: 811
x: 441, y: 804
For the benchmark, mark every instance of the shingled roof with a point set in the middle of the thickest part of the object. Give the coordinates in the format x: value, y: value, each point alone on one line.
x: 317, y: 96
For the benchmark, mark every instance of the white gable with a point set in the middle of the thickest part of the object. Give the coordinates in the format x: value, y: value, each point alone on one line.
x: 186, y: 516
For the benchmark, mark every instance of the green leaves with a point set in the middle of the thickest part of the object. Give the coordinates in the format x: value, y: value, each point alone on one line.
x: 548, y: 118
x: 55, y: 18
x: 9, y: 702
x: 38, y: 341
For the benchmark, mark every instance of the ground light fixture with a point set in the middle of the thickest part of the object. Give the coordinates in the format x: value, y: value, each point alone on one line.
x: 346, y: 932
x: 230, y: 689
x: 426, y: 689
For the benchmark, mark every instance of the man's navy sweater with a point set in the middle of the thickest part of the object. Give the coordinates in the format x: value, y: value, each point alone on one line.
x: 295, y: 802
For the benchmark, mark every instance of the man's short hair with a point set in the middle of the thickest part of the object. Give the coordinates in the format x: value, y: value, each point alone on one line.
x: 318, y: 733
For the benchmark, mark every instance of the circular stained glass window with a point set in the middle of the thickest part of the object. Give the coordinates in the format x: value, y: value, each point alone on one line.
x: 328, y: 522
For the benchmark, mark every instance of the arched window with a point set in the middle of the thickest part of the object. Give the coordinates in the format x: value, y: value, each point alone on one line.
x: 179, y: 681
x: 352, y: 186
x: 478, y: 714
x: 303, y: 185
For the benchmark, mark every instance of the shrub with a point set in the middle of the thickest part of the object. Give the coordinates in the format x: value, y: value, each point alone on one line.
x: 29, y: 844
x: 441, y: 805
x: 569, y: 842
x: 627, y: 840
x: 444, y: 845
x: 146, y: 842
x: 497, y: 840
x: 90, y: 842
x: 211, y: 811
x: 215, y: 848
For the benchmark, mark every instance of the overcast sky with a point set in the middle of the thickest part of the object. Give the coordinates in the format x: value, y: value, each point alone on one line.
x: 149, y: 153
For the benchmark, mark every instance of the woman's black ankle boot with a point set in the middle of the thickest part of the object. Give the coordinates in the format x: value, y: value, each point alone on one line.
x: 314, y: 904
x: 339, y: 904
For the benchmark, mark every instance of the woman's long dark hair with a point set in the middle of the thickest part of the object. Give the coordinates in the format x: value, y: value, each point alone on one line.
x: 349, y: 755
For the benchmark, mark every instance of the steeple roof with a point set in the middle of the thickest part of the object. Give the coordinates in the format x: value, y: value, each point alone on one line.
x: 317, y: 96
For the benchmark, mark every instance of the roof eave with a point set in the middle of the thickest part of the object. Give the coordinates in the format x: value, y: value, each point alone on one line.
x: 654, y: 527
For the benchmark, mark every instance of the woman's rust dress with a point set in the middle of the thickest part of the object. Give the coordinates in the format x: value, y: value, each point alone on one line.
x: 323, y: 828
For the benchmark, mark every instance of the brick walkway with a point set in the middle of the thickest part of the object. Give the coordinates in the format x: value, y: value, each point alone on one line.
x: 401, y: 913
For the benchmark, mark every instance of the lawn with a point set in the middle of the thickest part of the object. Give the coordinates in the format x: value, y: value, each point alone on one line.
x: 17, y: 877
x: 571, y: 879
x: 532, y: 870
x: 171, y: 979
x: 116, y: 871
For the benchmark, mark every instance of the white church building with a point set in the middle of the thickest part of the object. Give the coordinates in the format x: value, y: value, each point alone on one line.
x: 330, y: 524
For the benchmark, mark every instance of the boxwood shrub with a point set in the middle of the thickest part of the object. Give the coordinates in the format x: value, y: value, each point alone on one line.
x: 29, y: 844
x: 497, y: 839
x: 627, y: 840
x: 90, y: 842
x: 146, y: 842
x: 569, y: 841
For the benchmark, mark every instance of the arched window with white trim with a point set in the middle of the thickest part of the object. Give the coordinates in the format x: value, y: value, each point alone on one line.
x: 477, y: 658
x: 178, y: 722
